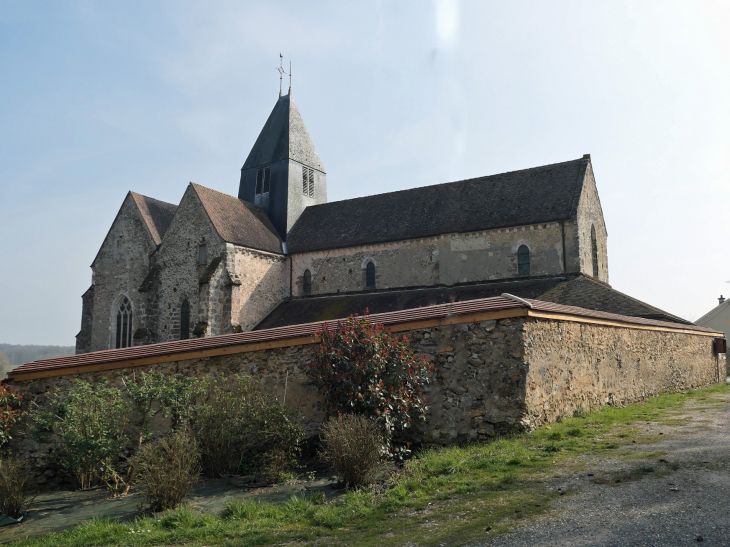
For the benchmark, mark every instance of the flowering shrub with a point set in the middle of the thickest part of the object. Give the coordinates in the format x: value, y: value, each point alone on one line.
x: 10, y: 411
x: 360, y: 368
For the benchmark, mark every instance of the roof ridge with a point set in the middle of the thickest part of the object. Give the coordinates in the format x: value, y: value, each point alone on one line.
x: 444, y: 183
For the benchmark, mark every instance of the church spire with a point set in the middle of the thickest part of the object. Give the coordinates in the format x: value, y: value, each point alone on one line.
x: 283, y: 173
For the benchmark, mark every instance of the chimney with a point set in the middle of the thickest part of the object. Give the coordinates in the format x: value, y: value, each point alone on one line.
x: 721, y: 299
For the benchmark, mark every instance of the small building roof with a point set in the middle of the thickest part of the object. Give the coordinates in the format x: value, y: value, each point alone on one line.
x: 717, y: 318
x: 284, y: 136
x: 239, y: 222
x: 157, y: 214
x: 530, y: 196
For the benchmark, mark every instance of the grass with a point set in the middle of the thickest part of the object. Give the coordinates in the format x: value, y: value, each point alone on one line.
x: 456, y: 494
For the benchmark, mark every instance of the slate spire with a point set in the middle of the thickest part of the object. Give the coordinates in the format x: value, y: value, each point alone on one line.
x: 283, y: 172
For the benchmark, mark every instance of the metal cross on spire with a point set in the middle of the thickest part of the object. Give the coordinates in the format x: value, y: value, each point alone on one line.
x: 281, y: 71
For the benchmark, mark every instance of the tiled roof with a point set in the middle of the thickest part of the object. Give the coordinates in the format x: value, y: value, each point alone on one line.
x: 239, y: 222
x: 531, y: 196
x: 571, y: 290
x: 327, y: 308
x: 284, y: 136
x: 586, y: 292
x: 190, y: 347
x: 157, y: 215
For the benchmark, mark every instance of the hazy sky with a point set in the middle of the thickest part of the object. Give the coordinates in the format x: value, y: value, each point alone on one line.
x: 98, y: 98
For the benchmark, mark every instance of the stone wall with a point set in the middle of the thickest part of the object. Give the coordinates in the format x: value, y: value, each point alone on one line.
x: 581, y: 365
x: 491, y: 376
x: 442, y: 260
x: 259, y: 282
x: 590, y: 215
x: 118, y: 270
x: 180, y: 274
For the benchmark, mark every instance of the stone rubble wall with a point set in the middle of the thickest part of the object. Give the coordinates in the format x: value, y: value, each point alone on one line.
x: 492, y: 377
x: 581, y: 365
x: 447, y: 259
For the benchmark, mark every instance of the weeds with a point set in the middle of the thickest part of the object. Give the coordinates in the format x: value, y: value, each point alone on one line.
x: 15, y: 474
x: 490, y: 485
x: 168, y: 468
x: 352, y: 446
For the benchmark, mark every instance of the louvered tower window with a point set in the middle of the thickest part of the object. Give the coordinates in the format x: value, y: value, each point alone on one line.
x: 370, y: 275
x: 523, y: 260
x: 124, y: 324
x: 263, y: 180
x: 185, y: 320
x: 308, y: 181
x: 307, y: 282
x: 594, y: 251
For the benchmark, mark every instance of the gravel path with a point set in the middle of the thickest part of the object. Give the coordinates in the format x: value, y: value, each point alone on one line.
x: 687, y: 506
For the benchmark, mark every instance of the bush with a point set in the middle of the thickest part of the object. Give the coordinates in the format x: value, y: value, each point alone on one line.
x: 352, y: 446
x: 87, y: 426
x: 10, y: 411
x: 168, y: 469
x: 240, y: 429
x: 360, y: 368
x: 15, y: 474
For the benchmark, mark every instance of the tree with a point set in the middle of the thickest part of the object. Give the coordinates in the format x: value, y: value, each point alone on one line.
x: 361, y: 368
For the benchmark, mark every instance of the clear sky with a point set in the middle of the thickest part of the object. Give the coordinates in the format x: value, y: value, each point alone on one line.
x: 98, y: 98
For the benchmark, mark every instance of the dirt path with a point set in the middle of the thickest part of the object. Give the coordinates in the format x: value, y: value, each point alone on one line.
x: 669, y: 506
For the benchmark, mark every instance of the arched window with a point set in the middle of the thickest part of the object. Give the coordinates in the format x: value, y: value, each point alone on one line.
x: 307, y: 282
x: 523, y: 260
x: 185, y: 320
x: 124, y: 324
x: 594, y: 251
x: 370, y: 275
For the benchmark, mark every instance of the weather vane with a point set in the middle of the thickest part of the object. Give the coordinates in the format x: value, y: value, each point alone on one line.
x: 281, y: 71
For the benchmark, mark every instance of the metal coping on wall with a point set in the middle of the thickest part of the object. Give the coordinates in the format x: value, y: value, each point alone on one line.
x: 428, y: 316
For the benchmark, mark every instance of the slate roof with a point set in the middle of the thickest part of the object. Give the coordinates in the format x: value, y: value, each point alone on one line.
x: 239, y: 222
x: 73, y: 364
x: 157, y: 214
x: 530, y: 196
x: 284, y: 136
x: 327, y: 308
x: 586, y: 292
x: 572, y: 290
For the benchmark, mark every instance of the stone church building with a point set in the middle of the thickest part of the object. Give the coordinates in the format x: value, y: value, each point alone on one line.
x: 280, y: 254
x: 500, y: 281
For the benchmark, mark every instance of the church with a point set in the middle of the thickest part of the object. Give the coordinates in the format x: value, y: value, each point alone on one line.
x: 280, y: 254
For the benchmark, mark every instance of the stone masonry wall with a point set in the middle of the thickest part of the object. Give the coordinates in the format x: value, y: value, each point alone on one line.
x: 180, y: 273
x: 580, y: 365
x: 119, y: 269
x: 491, y: 376
x: 259, y: 281
x: 442, y: 260
x: 590, y: 215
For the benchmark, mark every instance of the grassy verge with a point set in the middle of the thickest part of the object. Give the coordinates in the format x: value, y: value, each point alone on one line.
x: 456, y: 493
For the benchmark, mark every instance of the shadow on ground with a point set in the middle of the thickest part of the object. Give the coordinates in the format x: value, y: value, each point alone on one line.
x: 63, y: 509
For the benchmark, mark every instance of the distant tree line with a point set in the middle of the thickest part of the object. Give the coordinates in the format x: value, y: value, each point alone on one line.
x: 12, y: 356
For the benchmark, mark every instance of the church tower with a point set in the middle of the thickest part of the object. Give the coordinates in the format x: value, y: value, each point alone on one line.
x: 283, y: 172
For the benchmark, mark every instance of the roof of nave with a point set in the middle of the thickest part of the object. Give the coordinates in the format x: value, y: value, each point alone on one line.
x: 530, y: 196
x: 570, y: 290
x: 157, y: 214
x: 284, y: 136
x: 305, y: 333
x: 239, y: 222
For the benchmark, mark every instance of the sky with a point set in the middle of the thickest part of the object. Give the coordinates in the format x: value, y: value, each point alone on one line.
x: 99, y: 98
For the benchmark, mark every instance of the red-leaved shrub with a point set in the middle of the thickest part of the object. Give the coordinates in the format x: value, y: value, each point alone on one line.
x: 10, y: 411
x: 361, y: 368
